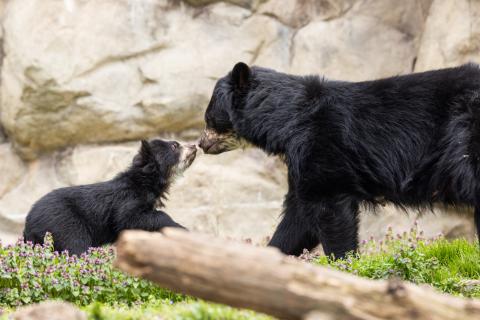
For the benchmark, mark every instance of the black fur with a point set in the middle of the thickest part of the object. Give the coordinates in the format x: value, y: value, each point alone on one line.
x: 413, y: 140
x: 93, y: 215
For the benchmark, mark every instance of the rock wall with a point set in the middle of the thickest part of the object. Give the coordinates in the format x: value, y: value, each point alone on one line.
x: 81, y: 80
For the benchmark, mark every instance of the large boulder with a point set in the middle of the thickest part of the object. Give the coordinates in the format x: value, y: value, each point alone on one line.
x: 12, y: 172
x: 12, y: 168
x: 27, y: 182
x: 339, y: 56
x: 297, y: 14
x: 451, y: 36
x: 372, y: 39
x: 407, y: 16
x: 89, y: 71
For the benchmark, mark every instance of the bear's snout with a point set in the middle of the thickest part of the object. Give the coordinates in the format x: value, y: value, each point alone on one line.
x: 212, y: 142
x: 205, y: 144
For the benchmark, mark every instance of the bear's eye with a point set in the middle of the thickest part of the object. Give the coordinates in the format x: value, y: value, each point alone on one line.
x: 174, y: 147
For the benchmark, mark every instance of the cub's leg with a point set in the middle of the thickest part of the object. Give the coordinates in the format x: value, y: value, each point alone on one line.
x: 73, y: 236
x: 148, y: 220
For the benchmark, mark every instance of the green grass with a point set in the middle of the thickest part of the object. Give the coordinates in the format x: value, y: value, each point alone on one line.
x: 450, y: 266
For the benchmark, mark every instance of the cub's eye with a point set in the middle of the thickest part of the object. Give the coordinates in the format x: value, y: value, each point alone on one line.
x: 175, y: 146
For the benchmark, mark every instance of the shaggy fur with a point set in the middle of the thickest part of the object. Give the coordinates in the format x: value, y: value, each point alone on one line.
x: 93, y: 215
x: 413, y: 140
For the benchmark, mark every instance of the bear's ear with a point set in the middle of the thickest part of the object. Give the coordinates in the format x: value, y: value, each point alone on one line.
x: 144, y: 155
x: 241, y: 75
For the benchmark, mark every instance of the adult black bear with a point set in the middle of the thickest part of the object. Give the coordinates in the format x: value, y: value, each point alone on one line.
x: 92, y: 215
x: 413, y: 140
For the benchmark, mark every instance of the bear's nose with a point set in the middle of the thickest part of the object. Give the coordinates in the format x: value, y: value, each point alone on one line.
x: 206, y: 145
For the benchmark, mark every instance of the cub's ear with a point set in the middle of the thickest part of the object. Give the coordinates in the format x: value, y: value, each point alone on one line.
x: 144, y: 155
x: 241, y: 75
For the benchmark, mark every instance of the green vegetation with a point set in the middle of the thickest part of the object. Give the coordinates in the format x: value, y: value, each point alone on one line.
x: 450, y: 266
x: 35, y: 273
x: 31, y: 274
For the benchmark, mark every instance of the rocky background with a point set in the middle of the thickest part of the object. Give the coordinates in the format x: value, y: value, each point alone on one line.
x: 83, y: 80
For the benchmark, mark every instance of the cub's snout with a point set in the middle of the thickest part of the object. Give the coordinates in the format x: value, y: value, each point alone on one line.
x: 188, y: 153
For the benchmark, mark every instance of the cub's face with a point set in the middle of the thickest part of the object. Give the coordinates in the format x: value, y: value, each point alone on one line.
x: 173, y: 155
x: 219, y: 135
x: 169, y: 158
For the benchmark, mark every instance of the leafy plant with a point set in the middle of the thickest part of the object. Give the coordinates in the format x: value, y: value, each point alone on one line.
x: 450, y: 266
x: 31, y: 273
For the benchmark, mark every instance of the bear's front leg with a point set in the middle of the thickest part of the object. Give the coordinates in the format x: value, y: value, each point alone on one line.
x: 294, y: 233
x: 331, y: 222
x: 337, y: 221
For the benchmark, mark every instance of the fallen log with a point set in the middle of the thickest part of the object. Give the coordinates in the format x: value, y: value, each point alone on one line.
x: 267, y: 281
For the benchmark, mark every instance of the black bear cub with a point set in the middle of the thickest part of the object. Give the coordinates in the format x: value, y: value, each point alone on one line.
x: 93, y: 215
